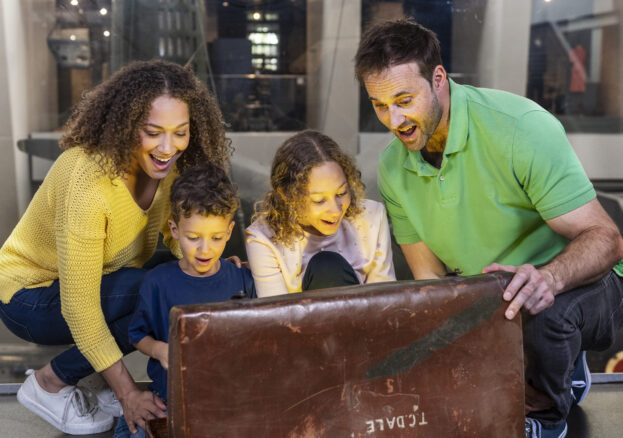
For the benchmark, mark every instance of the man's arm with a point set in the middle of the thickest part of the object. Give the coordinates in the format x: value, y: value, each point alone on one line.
x: 424, y: 264
x: 595, y: 246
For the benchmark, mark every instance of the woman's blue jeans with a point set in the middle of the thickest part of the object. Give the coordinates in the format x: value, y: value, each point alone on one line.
x: 35, y: 316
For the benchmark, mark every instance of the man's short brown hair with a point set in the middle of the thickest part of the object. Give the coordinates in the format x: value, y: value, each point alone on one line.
x: 397, y: 42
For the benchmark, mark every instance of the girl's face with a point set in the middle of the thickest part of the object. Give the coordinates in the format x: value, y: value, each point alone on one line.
x: 164, y: 136
x: 327, y: 199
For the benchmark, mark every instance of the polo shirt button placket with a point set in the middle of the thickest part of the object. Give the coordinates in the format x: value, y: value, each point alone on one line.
x: 441, y: 178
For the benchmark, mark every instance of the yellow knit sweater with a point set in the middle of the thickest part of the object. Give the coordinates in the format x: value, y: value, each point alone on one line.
x: 79, y: 226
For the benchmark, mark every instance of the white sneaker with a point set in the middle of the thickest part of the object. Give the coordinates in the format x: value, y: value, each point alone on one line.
x: 107, y: 402
x: 105, y: 399
x: 68, y: 410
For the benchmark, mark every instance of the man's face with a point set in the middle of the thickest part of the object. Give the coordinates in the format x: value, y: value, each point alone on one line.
x: 405, y: 103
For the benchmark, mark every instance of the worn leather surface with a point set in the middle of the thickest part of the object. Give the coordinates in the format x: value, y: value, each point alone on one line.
x: 403, y: 359
x: 158, y: 428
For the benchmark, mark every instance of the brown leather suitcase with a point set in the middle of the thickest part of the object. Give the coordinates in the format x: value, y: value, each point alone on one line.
x: 403, y: 359
x: 158, y: 428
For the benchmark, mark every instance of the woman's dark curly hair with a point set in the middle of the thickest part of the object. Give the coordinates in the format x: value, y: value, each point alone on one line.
x: 106, y: 123
x: 204, y: 189
x: 289, y: 177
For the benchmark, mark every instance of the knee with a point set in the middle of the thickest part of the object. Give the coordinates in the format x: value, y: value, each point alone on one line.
x: 552, y: 325
x: 326, y: 261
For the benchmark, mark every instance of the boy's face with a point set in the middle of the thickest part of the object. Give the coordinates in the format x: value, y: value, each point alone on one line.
x: 202, y: 241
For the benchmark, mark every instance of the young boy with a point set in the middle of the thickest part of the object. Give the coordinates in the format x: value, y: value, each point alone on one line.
x: 203, y: 203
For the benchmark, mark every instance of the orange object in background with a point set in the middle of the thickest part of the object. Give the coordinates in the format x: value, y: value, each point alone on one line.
x: 577, y: 57
x: 615, y: 364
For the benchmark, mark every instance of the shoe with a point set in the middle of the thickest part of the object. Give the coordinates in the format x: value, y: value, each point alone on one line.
x: 107, y: 402
x: 100, y: 393
x: 68, y: 410
x: 580, y: 379
x: 534, y: 429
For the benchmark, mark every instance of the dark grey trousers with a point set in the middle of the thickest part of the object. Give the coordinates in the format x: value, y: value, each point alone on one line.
x: 585, y: 318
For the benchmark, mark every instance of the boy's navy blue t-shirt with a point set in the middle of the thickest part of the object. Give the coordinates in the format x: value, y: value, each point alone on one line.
x: 166, y: 286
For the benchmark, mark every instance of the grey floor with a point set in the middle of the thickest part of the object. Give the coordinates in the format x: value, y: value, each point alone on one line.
x: 600, y: 415
x: 16, y: 356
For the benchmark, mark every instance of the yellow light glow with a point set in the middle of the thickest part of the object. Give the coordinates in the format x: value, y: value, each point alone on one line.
x: 103, y: 11
x: 74, y: 2
x: 257, y: 15
x: 106, y: 33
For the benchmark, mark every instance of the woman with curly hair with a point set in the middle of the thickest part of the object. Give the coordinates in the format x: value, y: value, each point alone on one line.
x: 313, y: 229
x: 71, y: 269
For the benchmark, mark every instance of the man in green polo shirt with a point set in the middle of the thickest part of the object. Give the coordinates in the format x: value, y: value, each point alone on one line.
x: 479, y: 180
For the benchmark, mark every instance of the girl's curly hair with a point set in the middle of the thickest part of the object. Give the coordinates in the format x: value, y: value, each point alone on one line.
x: 106, y: 122
x: 289, y: 177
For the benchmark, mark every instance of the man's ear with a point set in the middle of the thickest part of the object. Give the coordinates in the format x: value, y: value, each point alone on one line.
x: 173, y: 228
x: 440, y: 76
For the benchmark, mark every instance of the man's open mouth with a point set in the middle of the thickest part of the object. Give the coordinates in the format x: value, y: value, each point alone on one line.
x: 407, y: 132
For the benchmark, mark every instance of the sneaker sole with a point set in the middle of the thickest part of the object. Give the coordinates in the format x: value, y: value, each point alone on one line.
x: 588, y: 379
x: 563, y: 434
x: 37, y: 409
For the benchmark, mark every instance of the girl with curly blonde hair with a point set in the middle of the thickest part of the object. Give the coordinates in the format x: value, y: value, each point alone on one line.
x: 313, y: 229
x: 71, y: 269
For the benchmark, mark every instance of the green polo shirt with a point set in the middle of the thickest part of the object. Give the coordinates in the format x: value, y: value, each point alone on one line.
x: 507, y: 167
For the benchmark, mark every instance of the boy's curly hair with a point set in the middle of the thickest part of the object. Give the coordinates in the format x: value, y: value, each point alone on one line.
x: 107, y: 121
x: 289, y: 177
x: 204, y: 189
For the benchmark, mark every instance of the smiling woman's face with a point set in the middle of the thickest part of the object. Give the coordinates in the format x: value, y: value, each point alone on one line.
x: 164, y: 136
x: 327, y: 199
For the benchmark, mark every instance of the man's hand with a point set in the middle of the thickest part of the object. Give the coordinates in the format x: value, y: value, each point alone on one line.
x: 140, y: 406
x: 161, y: 353
x: 530, y: 288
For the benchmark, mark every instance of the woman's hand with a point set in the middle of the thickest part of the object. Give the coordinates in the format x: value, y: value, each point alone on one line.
x: 138, y: 406
x: 141, y: 406
x: 236, y: 261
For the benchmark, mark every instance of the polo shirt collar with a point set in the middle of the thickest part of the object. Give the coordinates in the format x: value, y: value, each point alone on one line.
x: 457, y: 134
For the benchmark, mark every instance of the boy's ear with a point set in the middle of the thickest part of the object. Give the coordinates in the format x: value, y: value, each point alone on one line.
x: 173, y: 228
x: 230, y: 229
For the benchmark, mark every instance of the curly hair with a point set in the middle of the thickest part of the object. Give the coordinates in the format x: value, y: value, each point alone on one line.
x: 289, y: 177
x: 107, y: 121
x: 204, y: 189
x: 397, y: 42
